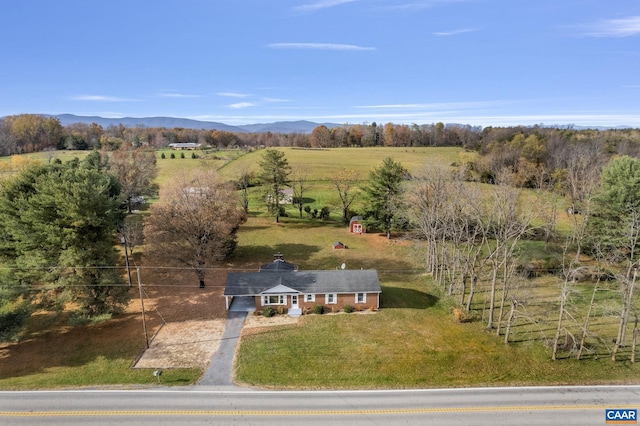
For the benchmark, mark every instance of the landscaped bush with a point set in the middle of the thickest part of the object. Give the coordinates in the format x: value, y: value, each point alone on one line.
x: 347, y: 309
x: 182, y: 155
x: 268, y: 312
x: 163, y: 156
x: 318, y: 309
x: 173, y: 155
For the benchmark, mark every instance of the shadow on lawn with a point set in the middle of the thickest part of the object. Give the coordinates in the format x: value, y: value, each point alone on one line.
x: 407, y: 298
x: 264, y: 254
x: 65, y: 346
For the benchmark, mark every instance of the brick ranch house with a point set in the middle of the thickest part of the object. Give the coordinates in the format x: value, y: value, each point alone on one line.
x: 280, y: 284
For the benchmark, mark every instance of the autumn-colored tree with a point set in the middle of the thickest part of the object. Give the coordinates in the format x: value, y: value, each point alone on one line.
x: 136, y: 171
x: 320, y: 137
x: 195, y: 222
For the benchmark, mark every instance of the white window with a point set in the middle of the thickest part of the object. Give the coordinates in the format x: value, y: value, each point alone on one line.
x: 361, y: 297
x: 273, y: 299
x: 330, y: 299
x: 309, y: 297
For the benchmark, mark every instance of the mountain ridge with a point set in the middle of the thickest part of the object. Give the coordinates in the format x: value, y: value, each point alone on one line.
x: 300, y: 126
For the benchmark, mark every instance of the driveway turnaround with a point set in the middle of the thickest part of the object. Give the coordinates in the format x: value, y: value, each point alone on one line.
x: 220, y: 369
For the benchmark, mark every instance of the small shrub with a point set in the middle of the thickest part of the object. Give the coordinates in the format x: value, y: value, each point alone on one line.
x: 182, y: 155
x: 463, y: 316
x: 80, y: 318
x: 194, y: 155
x: 268, y: 312
x: 173, y: 155
x: 163, y: 156
x: 324, y: 213
x: 318, y: 309
x: 11, y: 323
x: 347, y: 309
x: 280, y: 310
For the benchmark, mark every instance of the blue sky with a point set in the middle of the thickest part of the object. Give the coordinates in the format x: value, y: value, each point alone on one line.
x: 478, y: 62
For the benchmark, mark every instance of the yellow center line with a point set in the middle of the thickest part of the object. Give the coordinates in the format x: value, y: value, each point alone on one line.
x: 271, y: 413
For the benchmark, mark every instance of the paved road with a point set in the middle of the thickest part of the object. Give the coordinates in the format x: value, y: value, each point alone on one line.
x: 220, y: 369
x: 198, y: 405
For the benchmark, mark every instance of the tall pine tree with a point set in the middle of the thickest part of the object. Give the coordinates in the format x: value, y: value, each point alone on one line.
x: 384, y: 195
x: 58, y: 224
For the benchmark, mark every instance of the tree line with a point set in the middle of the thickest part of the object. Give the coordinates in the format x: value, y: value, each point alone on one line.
x: 27, y: 133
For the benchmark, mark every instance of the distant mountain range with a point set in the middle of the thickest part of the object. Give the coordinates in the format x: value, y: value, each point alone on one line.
x: 301, y: 126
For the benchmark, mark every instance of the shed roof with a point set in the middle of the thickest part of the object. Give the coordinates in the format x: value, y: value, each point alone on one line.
x: 306, y: 282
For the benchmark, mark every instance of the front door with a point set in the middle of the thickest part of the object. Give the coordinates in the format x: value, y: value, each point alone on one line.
x: 294, y: 301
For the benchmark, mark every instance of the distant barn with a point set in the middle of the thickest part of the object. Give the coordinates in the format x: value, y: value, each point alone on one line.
x: 183, y: 146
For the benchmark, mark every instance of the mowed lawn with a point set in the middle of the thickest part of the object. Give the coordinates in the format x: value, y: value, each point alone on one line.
x: 322, y: 164
x: 413, y: 341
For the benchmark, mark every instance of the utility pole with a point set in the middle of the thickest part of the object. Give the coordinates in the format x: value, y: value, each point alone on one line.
x: 126, y: 257
x: 144, y: 322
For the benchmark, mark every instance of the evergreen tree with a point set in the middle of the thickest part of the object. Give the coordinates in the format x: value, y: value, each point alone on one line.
x: 383, y: 195
x: 58, y: 223
x: 274, y: 176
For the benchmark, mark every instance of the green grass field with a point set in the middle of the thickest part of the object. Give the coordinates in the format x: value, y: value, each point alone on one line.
x: 413, y: 341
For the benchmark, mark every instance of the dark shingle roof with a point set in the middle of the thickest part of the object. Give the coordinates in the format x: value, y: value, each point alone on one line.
x: 306, y: 282
x: 277, y: 266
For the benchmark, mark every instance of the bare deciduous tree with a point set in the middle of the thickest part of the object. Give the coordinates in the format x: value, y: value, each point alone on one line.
x: 299, y: 186
x: 136, y: 170
x: 345, y: 182
x: 507, y: 224
x: 244, y: 182
x: 195, y: 222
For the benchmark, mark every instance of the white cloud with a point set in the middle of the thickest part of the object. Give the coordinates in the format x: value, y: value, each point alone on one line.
x: 321, y: 4
x: 241, y: 105
x: 423, y: 4
x: 438, y: 105
x: 177, y: 95
x: 455, y: 32
x: 622, y: 27
x: 101, y: 98
x: 319, y: 46
x: 233, y: 94
x: 274, y: 100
